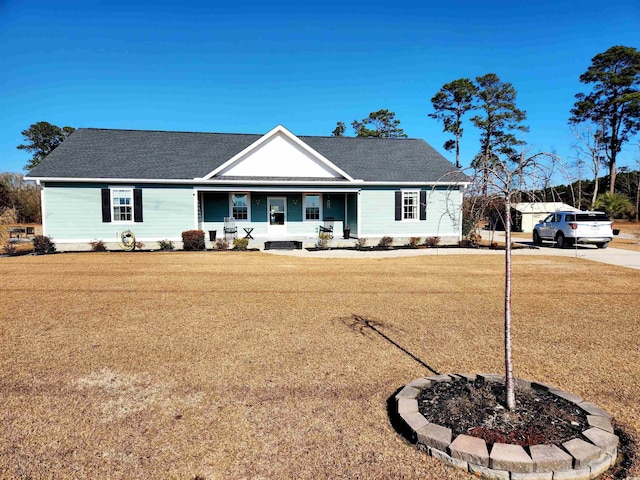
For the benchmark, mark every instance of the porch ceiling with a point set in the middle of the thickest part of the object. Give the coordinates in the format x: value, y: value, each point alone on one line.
x: 275, y: 188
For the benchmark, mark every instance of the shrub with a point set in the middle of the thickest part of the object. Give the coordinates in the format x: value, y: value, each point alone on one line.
x: 432, y: 241
x: 193, y: 240
x: 385, y: 242
x: 240, y: 243
x: 98, y: 246
x: 361, y: 243
x: 43, y: 244
x: 166, y: 245
x: 414, y: 242
x: 324, y: 240
x: 475, y: 238
x: 221, y: 244
x: 616, y: 205
x: 9, y: 249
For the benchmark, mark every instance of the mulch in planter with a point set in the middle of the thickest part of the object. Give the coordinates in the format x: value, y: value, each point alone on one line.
x: 479, y: 409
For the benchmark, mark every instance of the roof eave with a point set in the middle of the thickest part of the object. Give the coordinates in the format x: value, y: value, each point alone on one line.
x: 221, y: 181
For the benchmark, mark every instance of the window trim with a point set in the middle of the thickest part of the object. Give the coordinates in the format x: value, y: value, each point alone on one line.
x: 112, y: 205
x: 304, y: 207
x: 416, y: 206
x: 248, y: 194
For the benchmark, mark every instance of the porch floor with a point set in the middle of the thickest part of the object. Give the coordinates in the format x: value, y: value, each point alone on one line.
x: 307, y: 242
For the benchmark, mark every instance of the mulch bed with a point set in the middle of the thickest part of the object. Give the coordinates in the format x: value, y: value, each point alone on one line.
x: 479, y: 409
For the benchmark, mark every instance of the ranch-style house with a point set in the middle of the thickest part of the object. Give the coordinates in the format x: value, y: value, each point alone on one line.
x: 157, y: 184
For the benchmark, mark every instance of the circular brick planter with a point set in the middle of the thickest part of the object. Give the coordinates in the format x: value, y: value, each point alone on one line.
x: 577, y: 459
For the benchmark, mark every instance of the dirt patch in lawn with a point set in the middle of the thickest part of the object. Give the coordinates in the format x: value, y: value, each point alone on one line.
x: 479, y: 409
x: 177, y: 365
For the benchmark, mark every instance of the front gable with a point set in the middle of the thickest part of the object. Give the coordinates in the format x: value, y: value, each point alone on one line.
x: 278, y: 154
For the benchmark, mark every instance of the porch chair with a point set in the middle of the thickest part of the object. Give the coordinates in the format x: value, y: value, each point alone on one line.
x: 328, y: 226
x: 230, y: 227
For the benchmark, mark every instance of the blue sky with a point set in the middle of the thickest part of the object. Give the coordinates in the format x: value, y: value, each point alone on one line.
x: 244, y: 68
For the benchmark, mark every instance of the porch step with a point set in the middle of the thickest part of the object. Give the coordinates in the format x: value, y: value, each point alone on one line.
x: 283, y: 245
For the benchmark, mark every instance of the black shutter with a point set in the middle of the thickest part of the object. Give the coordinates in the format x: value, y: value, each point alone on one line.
x: 106, y: 205
x: 137, y: 204
x: 423, y: 205
x: 398, y: 206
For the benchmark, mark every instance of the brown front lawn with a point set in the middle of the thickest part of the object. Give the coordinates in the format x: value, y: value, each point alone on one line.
x: 247, y: 365
x: 630, y: 239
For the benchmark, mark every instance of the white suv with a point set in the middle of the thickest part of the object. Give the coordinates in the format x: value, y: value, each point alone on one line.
x: 568, y: 228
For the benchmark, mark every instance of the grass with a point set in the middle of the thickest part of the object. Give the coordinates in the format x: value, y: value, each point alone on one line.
x: 24, y: 247
x: 628, y: 228
x: 200, y: 365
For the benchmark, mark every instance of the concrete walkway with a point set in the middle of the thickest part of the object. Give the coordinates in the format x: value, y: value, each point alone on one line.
x: 611, y: 256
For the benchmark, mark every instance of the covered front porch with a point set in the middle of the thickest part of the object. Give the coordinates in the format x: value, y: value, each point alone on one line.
x: 277, y: 214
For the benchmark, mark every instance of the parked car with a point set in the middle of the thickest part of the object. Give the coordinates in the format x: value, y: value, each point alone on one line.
x: 569, y: 228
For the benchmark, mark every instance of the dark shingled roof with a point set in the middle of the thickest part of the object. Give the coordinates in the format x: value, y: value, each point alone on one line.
x: 141, y: 154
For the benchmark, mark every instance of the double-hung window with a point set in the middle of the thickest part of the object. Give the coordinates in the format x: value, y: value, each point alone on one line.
x: 312, y: 207
x: 122, y: 204
x: 410, y: 205
x: 240, y: 206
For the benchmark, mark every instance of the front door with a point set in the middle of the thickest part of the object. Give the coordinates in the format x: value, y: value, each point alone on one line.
x: 277, y: 215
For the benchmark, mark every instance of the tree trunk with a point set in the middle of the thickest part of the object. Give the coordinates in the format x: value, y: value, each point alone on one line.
x: 508, y: 360
x: 579, y: 205
x: 637, y: 195
x: 612, y: 178
x: 595, y: 190
x: 612, y: 164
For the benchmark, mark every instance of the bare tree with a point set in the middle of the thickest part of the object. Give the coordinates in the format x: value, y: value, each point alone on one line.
x: 504, y: 181
x: 590, y: 150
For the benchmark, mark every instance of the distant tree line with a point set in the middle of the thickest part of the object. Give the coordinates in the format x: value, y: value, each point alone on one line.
x: 581, y: 193
x: 20, y: 198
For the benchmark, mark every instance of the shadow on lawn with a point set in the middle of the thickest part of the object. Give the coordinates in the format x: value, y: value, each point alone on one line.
x: 362, y: 325
x: 627, y: 450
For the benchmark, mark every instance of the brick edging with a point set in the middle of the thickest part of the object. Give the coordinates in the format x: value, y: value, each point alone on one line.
x: 577, y: 459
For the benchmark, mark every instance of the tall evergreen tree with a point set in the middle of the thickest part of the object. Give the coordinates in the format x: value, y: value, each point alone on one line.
x: 451, y: 103
x: 384, y: 125
x: 614, y: 101
x: 42, y: 138
x: 339, y: 130
x: 498, y: 121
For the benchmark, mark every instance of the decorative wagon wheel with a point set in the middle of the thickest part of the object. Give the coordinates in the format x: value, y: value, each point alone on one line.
x: 128, y: 241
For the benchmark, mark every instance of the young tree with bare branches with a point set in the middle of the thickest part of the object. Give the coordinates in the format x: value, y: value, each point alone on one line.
x: 501, y: 183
